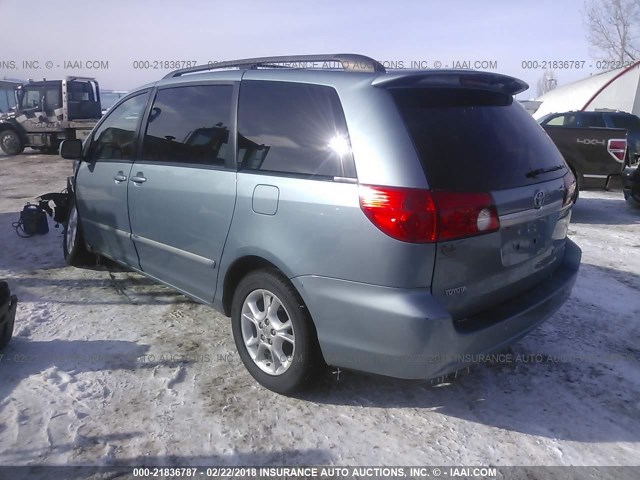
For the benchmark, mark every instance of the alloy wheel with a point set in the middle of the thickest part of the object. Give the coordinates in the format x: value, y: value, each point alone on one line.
x: 267, y: 332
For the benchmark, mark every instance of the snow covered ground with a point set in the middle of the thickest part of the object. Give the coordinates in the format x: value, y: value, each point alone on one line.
x: 112, y: 369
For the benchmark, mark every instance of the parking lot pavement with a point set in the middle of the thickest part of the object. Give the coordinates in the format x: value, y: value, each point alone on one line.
x: 112, y: 369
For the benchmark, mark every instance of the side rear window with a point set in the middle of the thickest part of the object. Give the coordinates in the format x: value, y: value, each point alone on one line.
x: 476, y: 141
x: 592, y: 121
x: 80, y: 92
x: 52, y: 98
x: 568, y: 120
x: 293, y: 128
x: 630, y: 122
x: 189, y: 125
x: 556, y: 121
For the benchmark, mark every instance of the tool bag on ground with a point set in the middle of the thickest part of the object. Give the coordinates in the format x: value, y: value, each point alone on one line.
x: 33, y: 221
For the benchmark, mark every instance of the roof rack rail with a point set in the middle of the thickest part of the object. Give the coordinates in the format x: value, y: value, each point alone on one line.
x: 349, y: 62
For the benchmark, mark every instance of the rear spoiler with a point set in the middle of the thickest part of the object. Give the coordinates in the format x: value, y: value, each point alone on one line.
x: 452, y: 79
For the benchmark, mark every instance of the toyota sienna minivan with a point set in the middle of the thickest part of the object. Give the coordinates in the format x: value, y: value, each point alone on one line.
x: 400, y: 223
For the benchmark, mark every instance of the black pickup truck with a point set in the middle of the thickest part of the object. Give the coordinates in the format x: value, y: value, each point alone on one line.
x: 600, y: 119
x: 596, y: 156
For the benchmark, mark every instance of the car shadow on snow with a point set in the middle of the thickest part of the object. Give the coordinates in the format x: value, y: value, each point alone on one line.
x: 103, y: 288
x: 532, y: 393
x: 109, y: 467
x: 283, y: 457
x: 589, y: 392
x: 280, y: 457
x: 36, y: 253
x: 604, y: 211
x: 37, y: 271
x: 58, y: 362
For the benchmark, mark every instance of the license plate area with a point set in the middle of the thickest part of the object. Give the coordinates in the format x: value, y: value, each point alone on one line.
x: 526, y: 241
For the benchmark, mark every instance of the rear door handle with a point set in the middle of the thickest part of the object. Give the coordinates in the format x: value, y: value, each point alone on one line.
x: 120, y: 177
x: 138, y: 178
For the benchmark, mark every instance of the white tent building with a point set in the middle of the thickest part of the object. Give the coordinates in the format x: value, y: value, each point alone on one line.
x: 615, y: 90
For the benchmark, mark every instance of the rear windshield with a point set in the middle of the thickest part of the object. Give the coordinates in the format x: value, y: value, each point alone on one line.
x: 471, y: 140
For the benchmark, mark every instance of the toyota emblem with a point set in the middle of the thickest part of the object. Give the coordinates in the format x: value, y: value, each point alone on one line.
x: 538, y: 199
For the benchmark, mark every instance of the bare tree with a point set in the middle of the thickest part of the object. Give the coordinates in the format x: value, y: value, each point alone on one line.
x: 613, y: 28
x: 547, y: 82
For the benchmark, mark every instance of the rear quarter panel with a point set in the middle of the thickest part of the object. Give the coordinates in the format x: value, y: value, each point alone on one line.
x: 319, y: 229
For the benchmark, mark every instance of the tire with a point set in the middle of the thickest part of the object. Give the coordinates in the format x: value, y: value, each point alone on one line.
x: 6, y: 329
x: 10, y: 142
x: 6, y: 333
x: 632, y: 199
x: 279, y: 348
x: 73, y: 246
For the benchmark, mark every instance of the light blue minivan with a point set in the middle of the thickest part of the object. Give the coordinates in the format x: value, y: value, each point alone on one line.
x: 396, y: 222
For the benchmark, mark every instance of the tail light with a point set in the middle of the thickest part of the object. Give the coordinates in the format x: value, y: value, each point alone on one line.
x: 570, y: 186
x: 406, y: 214
x: 425, y: 216
x: 465, y: 214
x: 617, y: 148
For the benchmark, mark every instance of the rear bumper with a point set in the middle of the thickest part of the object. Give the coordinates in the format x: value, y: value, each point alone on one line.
x: 406, y: 333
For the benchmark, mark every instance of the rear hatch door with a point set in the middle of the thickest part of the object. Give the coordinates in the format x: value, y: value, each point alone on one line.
x: 474, y: 139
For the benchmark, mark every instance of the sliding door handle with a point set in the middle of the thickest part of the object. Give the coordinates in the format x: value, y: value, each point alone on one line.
x: 138, y: 178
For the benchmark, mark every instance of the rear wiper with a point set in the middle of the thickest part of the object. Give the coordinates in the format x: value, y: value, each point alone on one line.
x: 539, y: 171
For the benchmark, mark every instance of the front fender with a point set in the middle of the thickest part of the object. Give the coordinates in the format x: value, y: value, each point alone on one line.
x: 11, y: 123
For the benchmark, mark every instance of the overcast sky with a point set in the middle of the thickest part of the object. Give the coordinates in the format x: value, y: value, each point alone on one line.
x: 120, y: 32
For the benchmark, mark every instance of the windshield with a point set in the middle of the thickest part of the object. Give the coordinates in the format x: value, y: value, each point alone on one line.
x: 7, y: 99
x: 109, y: 99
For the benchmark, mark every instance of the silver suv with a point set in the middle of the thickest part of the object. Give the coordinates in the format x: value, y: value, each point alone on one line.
x: 399, y: 223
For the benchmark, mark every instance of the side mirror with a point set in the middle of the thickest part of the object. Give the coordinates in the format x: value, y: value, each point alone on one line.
x: 71, y: 149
